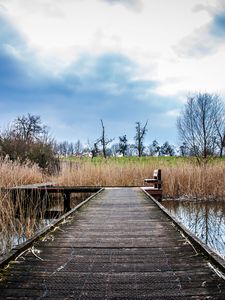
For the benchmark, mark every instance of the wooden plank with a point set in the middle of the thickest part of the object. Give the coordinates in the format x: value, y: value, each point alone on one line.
x: 32, y: 186
x: 6, y: 259
x: 152, y: 180
x: 120, y: 245
x: 217, y: 260
x: 58, y: 189
x: 37, y: 192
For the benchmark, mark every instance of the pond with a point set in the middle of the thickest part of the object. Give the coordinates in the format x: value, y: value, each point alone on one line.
x: 31, y: 217
x: 205, y: 219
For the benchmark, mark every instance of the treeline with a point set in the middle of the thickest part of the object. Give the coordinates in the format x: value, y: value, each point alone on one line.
x: 27, y: 139
x: 120, y: 148
x: 106, y: 147
x: 201, y: 127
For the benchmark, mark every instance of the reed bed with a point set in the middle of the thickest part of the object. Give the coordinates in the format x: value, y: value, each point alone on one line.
x: 109, y: 172
x: 19, y: 221
x: 206, y: 182
x: 14, y: 230
x: 181, y: 177
x: 17, y: 173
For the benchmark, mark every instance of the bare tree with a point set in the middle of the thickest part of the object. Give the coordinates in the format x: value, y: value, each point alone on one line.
x: 70, y: 148
x: 220, y: 126
x: 199, y: 124
x: 139, y: 137
x: 29, y: 128
x: 104, y: 141
x: 78, y: 147
x: 27, y: 139
x: 63, y: 148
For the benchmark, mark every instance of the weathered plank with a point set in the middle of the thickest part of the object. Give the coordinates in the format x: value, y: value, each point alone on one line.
x: 38, y: 192
x: 117, y: 246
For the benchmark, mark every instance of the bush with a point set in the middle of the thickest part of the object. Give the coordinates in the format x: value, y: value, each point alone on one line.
x: 28, y: 139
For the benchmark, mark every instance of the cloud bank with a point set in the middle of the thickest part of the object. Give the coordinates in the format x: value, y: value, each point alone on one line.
x: 73, y: 101
x: 208, y: 39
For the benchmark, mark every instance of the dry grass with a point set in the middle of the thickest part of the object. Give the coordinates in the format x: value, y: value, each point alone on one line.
x: 180, y: 177
x: 15, y: 173
x: 200, y: 182
x: 20, y: 221
x: 104, y: 173
x: 14, y: 230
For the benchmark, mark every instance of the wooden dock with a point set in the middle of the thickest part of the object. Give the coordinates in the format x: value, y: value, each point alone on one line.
x: 119, y: 245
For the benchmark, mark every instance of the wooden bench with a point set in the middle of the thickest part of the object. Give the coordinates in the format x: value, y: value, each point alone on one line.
x: 155, y: 188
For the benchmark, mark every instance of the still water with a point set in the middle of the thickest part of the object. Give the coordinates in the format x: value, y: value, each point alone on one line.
x: 206, y: 219
x: 33, y: 218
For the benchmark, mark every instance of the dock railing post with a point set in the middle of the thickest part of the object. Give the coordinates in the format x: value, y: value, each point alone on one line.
x: 159, y: 185
x: 66, y: 200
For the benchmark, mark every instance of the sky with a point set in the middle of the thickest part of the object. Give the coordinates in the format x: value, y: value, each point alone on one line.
x: 75, y: 62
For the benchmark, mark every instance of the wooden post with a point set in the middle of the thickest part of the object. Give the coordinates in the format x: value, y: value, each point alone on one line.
x: 159, y: 177
x: 66, y: 199
x: 14, y: 194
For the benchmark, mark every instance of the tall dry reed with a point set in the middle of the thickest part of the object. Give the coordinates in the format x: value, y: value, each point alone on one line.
x: 17, y: 173
x: 109, y: 172
x: 180, y: 177
x: 194, y: 181
x: 13, y: 229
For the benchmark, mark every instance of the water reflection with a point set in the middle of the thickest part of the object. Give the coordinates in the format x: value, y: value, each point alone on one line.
x: 206, y: 219
x: 30, y: 215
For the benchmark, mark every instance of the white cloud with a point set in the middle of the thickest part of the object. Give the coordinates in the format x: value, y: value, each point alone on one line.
x: 208, y: 38
x: 60, y: 32
x: 135, y: 5
x: 154, y: 29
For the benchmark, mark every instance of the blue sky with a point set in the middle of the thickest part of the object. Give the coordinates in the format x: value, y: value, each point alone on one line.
x: 74, y: 62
